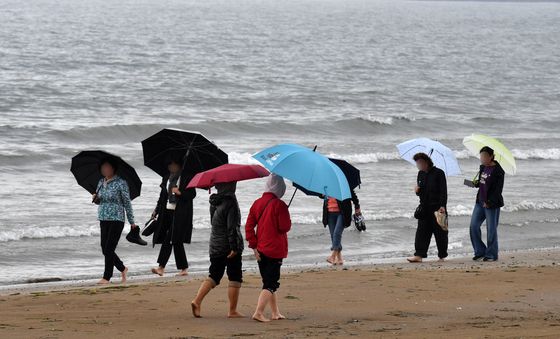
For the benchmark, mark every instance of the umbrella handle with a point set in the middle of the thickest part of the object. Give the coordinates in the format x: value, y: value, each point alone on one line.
x: 293, y: 195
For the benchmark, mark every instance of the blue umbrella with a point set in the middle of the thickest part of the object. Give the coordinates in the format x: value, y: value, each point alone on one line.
x: 442, y: 156
x: 307, y: 168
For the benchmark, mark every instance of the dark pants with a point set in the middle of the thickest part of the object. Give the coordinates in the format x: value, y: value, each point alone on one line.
x: 110, y: 235
x: 234, y: 267
x: 270, y: 273
x: 167, y: 246
x: 427, y: 227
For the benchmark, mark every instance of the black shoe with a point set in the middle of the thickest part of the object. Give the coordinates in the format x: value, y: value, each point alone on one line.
x: 134, y: 237
x: 478, y: 258
x: 489, y: 259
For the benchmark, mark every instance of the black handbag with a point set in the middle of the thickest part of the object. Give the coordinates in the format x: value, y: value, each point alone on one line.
x: 420, y: 213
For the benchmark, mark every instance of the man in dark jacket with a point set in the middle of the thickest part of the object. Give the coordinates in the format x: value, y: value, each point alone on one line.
x: 432, y: 190
x: 489, y: 201
x: 226, y: 248
x: 174, y: 211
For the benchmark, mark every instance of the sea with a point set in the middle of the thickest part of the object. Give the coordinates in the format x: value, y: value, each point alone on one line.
x: 352, y: 77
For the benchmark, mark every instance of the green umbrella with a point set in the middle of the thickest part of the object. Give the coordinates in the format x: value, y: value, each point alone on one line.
x: 503, y: 155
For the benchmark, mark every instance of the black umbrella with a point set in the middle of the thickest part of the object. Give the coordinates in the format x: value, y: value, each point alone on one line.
x: 351, y: 173
x: 85, y: 167
x: 198, y: 153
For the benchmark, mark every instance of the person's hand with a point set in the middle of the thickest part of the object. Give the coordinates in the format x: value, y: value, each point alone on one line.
x: 358, y: 211
x: 442, y: 210
x: 176, y: 191
x: 231, y: 254
x: 133, y: 226
x: 257, y: 254
x: 417, y: 189
x: 94, y: 196
x: 154, y: 214
x: 485, y: 205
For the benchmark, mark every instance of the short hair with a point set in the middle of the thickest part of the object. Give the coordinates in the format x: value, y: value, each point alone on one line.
x: 111, y: 161
x: 487, y: 150
x: 425, y: 157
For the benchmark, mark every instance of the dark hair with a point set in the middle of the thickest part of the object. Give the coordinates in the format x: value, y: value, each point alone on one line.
x: 111, y: 161
x: 172, y: 158
x: 425, y: 157
x: 487, y: 150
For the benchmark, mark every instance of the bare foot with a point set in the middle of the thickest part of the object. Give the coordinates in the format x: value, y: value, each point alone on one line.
x: 415, y: 259
x: 103, y: 282
x: 159, y: 271
x: 441, y: 260
x: 330, y: 260
x: 278, y: 317
x: 235, y: 314
x: 123, y: 275
x: 339, y: 262
x: 183, y: 273
x: 195, y: 310
x: 260, y: 318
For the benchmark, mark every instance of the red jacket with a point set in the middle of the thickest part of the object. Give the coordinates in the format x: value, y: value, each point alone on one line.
x: 270, y: 238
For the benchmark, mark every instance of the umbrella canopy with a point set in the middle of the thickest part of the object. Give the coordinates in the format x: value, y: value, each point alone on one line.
x: 85, y: 167
x: 307, y: 168
x: 442, y: 156
x: 227, y: 173
x: 198, y: 153
x: 476, y: 142
x: 351, y: 173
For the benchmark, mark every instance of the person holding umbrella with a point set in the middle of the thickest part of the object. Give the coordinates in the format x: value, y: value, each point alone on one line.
x: 174, y: 211
x: 489, y: 201
x: 337, y: 215
x: 113, y: 197
x: 226, y: 241
x: 270, y: 215
x: 432, y: 189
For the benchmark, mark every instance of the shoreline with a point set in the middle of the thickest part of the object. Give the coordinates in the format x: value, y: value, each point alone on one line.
x: 529, y: 258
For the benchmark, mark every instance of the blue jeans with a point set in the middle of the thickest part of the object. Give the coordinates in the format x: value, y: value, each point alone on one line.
x: 492, y: 217
x: 336, y: 227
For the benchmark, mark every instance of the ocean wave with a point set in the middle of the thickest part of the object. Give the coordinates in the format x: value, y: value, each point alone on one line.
x: 537, y: 154
x: 48, y: 232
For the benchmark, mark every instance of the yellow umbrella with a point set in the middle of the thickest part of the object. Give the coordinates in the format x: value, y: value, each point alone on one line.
x: 502, y: 155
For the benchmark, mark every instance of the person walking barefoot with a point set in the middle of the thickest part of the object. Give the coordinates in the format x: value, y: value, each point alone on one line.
x: 271, y: 217
x: 226, y: 247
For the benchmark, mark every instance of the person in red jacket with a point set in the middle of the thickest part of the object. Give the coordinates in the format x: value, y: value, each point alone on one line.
x: 270, y: 215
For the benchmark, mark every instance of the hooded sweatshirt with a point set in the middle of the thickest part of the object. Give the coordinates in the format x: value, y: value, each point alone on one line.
x: 226, y: 222
x: 271, y: 218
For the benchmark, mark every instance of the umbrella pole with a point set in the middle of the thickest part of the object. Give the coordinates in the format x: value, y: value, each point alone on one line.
x: 293, y: 195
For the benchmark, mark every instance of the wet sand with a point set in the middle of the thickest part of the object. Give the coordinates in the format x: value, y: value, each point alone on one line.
x: 516, y: 297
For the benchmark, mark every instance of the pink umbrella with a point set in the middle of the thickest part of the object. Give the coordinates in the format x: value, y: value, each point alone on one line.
x: 227, y: 173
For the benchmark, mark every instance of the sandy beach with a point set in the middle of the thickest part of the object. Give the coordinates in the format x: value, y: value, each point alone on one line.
x: 516, y: 297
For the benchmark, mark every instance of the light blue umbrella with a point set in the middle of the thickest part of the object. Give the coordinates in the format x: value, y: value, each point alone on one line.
x: 307, y: 168
x: 442, y: 156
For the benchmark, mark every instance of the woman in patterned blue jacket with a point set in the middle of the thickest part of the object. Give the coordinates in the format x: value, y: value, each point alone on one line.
x: 113, y: 198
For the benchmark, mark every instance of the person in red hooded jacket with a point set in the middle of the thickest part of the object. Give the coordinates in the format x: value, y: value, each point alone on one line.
x: 271, y: 217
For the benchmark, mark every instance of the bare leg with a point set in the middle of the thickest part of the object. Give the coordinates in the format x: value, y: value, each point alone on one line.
x: 205, y: 288
x: 233, y: 295
x: 276, y: 315
x: 339, y: 260
x: 264, y: 299
x: 123, y: 275
x: 159, y: 270
x: 332, y: 258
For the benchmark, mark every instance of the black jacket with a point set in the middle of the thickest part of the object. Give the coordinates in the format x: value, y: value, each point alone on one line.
x: 494, y: 198
x: 433, y: 189
x: 182, y: 224
x: 344, y: 206
x: 226, y: 225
